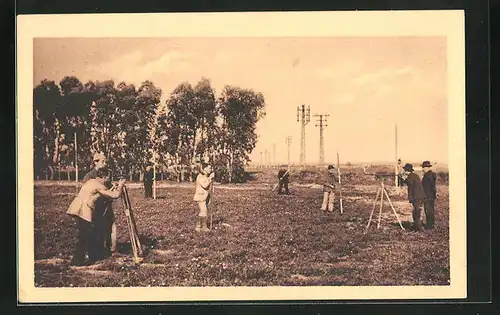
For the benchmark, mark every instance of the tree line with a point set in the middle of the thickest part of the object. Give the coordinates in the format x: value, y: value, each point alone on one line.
x: 132, y: 127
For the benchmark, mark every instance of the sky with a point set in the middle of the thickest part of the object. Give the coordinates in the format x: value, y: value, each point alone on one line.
x: 366, y: 85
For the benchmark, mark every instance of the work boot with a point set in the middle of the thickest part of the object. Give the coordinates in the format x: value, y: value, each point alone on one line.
x: 330, y: 207
x: 204, y: 227
x: 198, y: 224
x: 323, y: 205
x: 417, y: 227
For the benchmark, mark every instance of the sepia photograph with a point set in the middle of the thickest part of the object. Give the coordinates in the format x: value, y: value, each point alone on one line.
x: 242, y: 156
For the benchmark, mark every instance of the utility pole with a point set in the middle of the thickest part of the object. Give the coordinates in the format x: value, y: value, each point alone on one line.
x: 303, y: 116
x: 274, y: 154
x: 396, y: 169
x: 288, y: 143
x: 322, y: 124
x: 261, y: 160
x: 76, y: 160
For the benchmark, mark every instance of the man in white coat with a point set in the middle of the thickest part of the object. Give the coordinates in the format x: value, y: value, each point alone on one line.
x: 203, y: 194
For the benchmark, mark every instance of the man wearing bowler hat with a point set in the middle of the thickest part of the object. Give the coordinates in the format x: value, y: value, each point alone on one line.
x: 416, y: 194
x: 429, y: 185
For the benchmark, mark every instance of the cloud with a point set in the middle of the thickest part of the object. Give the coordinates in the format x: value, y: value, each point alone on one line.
x: 383, y: 74
x: 345, y: 99
x: 326, y: 73
x: 339, y: 70
x: 384, y: 90
x: 135, y: 67
x: 171, y: 61
x: 223, y: 56
x: 117, y: 65
x: 403, y: 71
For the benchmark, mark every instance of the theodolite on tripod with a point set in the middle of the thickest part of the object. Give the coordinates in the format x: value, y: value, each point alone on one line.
x: 381, y: 191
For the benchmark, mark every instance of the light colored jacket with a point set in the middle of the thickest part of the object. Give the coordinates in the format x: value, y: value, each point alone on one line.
x: 203, y: 188
x: 330, y: 182
x: 84, y: 203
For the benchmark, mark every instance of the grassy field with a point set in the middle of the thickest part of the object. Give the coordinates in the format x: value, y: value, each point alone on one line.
x: 258, y: 239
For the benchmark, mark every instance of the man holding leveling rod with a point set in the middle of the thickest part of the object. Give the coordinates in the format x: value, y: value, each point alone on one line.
x: 329, y: 189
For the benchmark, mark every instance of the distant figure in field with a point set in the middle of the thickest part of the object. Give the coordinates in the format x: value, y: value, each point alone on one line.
x: 284, y: 179
x: 400, y: 174
x: 429, y: 185
x: 148, y: 182
x: 329, y: 189
x: 203, y: 194
x: 416, y: 194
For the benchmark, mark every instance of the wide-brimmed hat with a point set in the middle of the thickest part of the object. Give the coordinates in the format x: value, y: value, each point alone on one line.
x: 426, y: 164
x: 408, y: 167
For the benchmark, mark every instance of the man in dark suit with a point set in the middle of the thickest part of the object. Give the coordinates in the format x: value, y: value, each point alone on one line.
x: 148, y: 182
x: 429, y: 185
x: 284, y: 179
x: 416, y: 194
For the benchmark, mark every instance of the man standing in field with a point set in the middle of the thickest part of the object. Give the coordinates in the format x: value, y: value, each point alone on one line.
x: 148, y: 182
x: 329, y: 189
x: 284, y: 179
x: 104, y: 218
x: 203, y: 194
x: 429, y: 185
x: 416, y: 194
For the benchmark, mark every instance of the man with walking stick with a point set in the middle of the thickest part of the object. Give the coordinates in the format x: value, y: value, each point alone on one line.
x: 329, y: 189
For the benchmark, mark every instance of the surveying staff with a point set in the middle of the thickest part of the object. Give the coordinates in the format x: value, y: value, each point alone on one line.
x: 429, y: 185
x: 284, y: 179
x: 104, y: 218
x: 203, y: 194
x: 83, y: 209
x: 416, y: 194
x: 148, y: 182
x: 329, y: 189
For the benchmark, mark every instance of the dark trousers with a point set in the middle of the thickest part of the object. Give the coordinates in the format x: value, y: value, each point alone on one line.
x: 102, y: 233
x: 99, y: 237
x: 148, y: 189
x: 429, y: 212
x: 417, y: 209
x: 85, y: 241
x: 283, y: 184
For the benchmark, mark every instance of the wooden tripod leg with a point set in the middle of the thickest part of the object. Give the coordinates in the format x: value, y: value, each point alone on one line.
x: 373, y: 209
x: 127, y: 209
x: 381, y: 204
x: 394, y: 210
x: 133, y: 225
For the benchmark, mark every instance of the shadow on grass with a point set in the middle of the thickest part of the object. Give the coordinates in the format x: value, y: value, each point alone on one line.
x: 147, y: 243
x: 406, y: 225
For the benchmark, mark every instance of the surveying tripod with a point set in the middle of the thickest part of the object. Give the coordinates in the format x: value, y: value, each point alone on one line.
x: 132, y: 227
x: 381, y: 191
